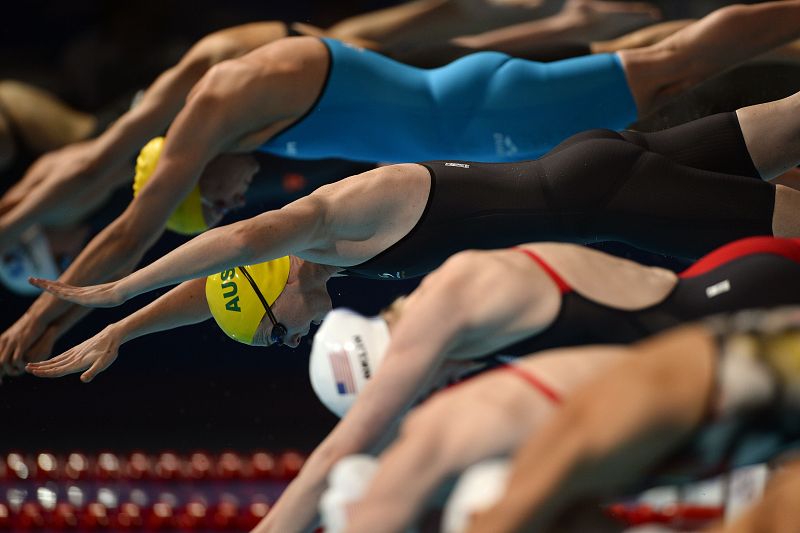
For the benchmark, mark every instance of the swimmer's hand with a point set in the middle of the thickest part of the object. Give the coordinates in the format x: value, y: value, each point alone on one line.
x: 96, y: 354
x: 105, y: 295
x: 16, y: 341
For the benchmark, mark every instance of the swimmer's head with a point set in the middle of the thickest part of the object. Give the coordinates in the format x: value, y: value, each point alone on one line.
x: 221, y: 188
x: 347, y: 351
x: 240, y: 298
x: 224, y: 183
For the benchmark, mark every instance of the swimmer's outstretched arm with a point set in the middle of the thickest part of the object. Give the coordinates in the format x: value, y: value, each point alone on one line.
x: 62, y: 176
x: 183, y: 305
x: 289, y: 230
x: 460, y: 307
x: 651, y: 400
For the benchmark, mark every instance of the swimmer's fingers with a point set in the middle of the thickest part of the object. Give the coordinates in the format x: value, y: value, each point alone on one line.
x: 103, y: 295
x: 66, y: 363
x: 96, y: 354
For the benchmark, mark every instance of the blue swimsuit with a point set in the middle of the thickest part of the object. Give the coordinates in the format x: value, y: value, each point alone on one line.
x: 486, y: 106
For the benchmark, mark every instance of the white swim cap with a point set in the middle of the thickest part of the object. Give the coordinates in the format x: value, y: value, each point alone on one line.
x: 31, y: 257
x: 478, y: 488
x: 347, y: 482
x: 347, y: 350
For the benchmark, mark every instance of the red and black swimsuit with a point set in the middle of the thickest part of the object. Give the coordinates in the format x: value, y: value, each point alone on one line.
x: 748, y: 273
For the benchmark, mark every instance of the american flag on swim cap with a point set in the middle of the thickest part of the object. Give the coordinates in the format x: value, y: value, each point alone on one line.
x: 342, y: 372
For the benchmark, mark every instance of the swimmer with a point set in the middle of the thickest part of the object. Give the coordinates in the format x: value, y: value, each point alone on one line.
x: 734, y: 375
x: 490, y: 415
x: 513, y: 301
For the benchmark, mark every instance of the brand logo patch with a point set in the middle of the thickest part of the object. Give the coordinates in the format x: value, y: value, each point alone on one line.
x: 460, y: 165
x: 718, y: 288
x: 503, y: 145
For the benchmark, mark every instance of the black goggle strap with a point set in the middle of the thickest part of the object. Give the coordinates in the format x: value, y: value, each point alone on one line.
x: 278, y: 329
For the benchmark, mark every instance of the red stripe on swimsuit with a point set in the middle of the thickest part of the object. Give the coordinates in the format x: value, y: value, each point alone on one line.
x: 788, y: 248
x: 535, y: 382
x: 563, y: 286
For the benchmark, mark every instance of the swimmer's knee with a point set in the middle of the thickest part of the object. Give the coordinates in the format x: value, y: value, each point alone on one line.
x: 735, y: 14
x: 212, y: 49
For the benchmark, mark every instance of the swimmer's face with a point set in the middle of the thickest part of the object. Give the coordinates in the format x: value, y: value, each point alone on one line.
x: 224, y: 183
x: 297, y: 308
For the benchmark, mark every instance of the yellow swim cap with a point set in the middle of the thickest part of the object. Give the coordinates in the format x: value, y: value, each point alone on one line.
x: 187, y: 219
x: 234, y: 301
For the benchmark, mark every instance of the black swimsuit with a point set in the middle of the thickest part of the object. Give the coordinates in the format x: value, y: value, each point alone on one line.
x: 750, y: 273
x: 681, y: 192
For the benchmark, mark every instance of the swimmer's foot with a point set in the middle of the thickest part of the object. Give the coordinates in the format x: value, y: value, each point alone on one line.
x: 603, y: 19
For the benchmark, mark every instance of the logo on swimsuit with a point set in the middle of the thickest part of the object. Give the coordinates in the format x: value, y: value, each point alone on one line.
x: 387, y: 275
x: 718, y: 288
x: 460, y: 165
x: 362, y: 357
x: 353, y: 47
x: 503, y: 145
x: 230, y: 286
